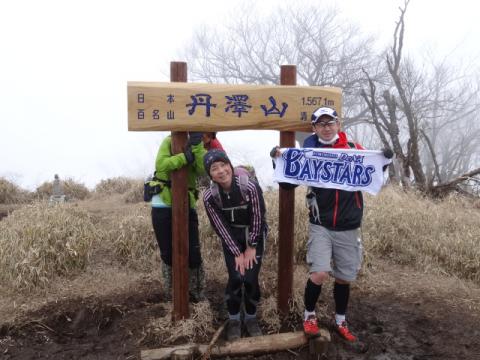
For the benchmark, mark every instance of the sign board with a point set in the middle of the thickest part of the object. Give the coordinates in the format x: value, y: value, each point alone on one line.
x: 213, y: 107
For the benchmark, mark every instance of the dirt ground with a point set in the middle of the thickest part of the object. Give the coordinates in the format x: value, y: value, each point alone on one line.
x: 403, y: 315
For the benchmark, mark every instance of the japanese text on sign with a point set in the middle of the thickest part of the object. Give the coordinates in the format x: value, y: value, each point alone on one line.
x: 207, y: 107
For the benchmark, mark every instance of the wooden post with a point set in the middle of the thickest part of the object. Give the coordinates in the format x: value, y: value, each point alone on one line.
x: 180, y: 208
x: 286, y: 207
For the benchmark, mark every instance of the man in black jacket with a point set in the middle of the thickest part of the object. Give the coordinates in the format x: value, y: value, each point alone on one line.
x: 334, y: 245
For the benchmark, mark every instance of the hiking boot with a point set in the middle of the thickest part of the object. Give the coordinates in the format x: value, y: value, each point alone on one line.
x: 349, y: 338
x: 196, y: 284
x: 167, y: 280
x: 310, y: 326
x: 233, y: 330
x: 252, y: 327
x: 345, y: 332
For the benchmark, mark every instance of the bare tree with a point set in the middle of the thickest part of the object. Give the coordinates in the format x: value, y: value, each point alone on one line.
x: 428, y: 115
x: 251, y: 49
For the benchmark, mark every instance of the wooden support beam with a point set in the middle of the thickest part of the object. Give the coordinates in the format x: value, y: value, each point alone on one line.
x: 286, y: 208
x: 180, y: 207
x: 245, y: 346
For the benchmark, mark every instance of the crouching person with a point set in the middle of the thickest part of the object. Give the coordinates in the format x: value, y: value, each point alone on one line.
x: 236, y: 209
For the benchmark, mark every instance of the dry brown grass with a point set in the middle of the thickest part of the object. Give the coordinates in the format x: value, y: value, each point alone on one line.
x: 72, y: 189
x: 199, y: 325
x: 135, y: 193
x: 113, y: 186
x: 10, y: 193
x: 435, y: 236
x: 131, y: 237
x: 439, y: 236
x: 39, y: 242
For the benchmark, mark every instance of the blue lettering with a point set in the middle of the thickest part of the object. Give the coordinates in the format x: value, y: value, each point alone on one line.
x: 358, y: 159
x: 292, y: 163
x: 367, y: 179
x: 357, y: 172
x: 305, y: 172
x: 337, y: 166
x: 345, y: 177
x: 317, y: 165
x: 326, y: 176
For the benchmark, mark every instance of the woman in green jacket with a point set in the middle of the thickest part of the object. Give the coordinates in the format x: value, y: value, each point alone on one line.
x: 165, y: 163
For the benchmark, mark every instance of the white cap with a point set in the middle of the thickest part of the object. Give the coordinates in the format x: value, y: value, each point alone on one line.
x: 317, y: 114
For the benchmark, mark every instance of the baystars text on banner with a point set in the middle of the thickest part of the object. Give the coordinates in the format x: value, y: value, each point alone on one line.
x: 344, y: 169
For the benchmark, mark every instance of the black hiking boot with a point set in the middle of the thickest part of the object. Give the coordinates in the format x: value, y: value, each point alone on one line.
x: 196, y: 283
x: 251, y: 325
x: 233, y: 331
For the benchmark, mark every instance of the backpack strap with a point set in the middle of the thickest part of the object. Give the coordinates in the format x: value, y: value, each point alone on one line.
x: 216, y: 194
x: 243, y: 183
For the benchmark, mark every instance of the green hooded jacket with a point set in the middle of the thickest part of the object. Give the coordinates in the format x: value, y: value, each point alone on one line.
x: 165, y: 163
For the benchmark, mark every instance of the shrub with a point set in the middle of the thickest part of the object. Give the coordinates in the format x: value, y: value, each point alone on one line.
x: 135, y: 193
x: 40, y: 242
x: 12, y: 194
x: 411, y: 229
x: 132, y: 237
x: 113, y: 186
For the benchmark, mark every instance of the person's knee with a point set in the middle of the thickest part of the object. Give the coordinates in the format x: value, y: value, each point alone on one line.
x: 319, y: 277
x: 340, y: 281
x: 235, y: 280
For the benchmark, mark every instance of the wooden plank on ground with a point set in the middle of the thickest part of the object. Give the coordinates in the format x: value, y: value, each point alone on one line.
x: 244, y: 346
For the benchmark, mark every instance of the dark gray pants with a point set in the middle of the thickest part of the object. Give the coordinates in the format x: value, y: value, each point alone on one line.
x: 162, y: 224
x: 244, y: 287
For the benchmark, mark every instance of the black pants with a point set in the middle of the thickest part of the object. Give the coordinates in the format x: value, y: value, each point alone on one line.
x: 249, y: 283
x: 162, y: 224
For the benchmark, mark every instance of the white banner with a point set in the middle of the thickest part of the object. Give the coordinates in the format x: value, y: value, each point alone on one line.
x: 344, y: 169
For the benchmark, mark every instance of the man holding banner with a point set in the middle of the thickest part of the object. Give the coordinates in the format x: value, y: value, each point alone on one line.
x: 336, y: 171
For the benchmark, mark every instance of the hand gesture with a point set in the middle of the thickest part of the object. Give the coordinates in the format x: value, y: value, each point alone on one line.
x: 189, y: 154
x: 388, y: 153
x: 275, y: 152
x: 250, y: 257
x: 240, y: 264
x: 194, y: 138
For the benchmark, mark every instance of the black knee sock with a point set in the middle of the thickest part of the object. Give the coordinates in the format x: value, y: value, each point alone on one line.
x: 341, y: 293
x: 312, y: 292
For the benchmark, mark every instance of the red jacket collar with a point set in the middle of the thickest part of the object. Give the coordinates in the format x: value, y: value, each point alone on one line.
x: 342, y: 141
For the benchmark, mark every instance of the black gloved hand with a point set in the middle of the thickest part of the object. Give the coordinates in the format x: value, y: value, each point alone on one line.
x: 387, y: 152
x: 189, y: 154
x: 194, y: 138
x: 273, y: 152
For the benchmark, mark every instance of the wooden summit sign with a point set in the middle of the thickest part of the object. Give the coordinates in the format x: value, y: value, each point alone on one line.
x: 212, y: 107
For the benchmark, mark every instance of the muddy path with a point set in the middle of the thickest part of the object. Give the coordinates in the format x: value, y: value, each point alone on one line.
x: 113, y: 327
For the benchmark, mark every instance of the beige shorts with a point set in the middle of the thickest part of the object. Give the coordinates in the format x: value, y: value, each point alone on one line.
x: 337, y: 252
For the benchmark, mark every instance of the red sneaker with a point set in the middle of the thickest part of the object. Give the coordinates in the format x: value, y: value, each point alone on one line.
x: 310, y: 327
x: 344, y: 332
